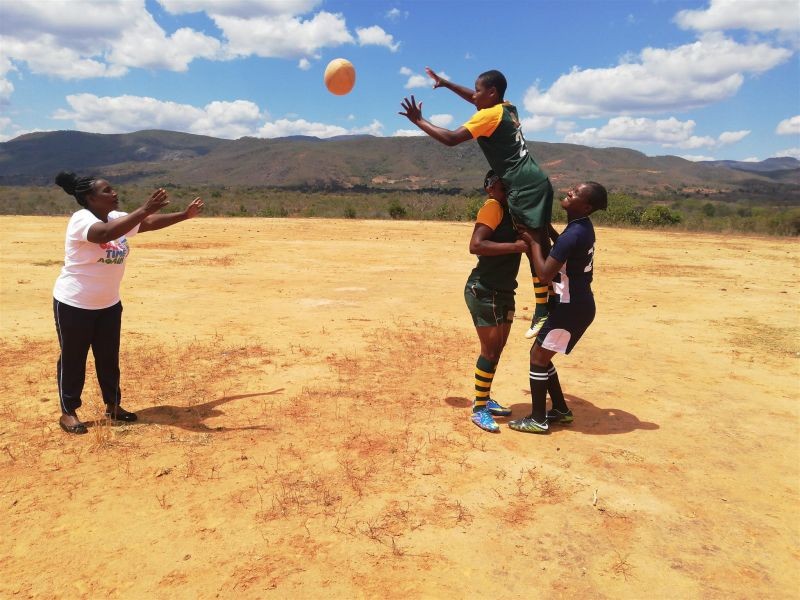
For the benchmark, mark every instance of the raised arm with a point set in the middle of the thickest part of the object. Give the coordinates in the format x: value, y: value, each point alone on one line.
x: 154, y: 222
x: 100, y: 233
x: 465, y: 92
x: 413, y: 112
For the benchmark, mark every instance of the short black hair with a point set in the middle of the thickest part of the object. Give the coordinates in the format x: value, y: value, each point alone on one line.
x: 598, y: 196
x: 489, y: 174
x: 496, y: 80
x: 79, y: 187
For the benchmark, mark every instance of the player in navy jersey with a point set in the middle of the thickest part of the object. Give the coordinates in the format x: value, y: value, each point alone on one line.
x: 569, y: 266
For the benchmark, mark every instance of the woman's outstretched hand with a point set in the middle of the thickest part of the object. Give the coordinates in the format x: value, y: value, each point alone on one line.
x: 194, y: 208
x: 156, y: 202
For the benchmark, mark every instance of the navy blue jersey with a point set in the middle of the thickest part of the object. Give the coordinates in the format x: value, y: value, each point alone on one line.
x: 575, y: 248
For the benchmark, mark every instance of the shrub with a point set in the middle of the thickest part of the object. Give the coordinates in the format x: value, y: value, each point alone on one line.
x: 472, y: 207
x: 443, y: 212
x: 658, y: 216
x: 622, y: 210
x: 396, y: 210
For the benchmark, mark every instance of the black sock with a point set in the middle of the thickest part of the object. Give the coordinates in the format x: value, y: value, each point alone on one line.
x: 554, y: 389
x: 538, y: 378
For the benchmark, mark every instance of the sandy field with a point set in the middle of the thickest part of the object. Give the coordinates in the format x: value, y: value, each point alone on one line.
x: 304, y: 387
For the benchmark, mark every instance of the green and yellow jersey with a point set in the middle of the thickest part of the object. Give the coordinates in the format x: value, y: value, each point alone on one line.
x: 497, y: 272
x: 498, y: 133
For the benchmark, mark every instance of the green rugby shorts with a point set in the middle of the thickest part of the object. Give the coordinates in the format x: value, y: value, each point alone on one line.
x: 488, y: 307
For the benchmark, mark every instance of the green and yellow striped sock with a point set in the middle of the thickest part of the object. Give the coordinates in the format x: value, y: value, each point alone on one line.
x: 484, y: 374
x: 540, y: 291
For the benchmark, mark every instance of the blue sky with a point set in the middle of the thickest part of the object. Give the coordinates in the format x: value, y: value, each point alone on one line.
x: 702, y: 79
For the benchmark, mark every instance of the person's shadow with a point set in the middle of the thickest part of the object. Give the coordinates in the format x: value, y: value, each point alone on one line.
x: 191, y: 417
x: 589, y: 419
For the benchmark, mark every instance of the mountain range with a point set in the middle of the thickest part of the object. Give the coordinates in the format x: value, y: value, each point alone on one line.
x: 157, y: 157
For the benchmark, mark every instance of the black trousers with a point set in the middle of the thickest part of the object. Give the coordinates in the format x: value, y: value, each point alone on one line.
x: 78, y: 329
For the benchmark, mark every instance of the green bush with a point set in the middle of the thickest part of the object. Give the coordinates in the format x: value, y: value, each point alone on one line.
x: 622, y: 210
x: 472, y: 207
x: 443, y: 212
x: 397, y: 210
x: 659, y: 216
x: 666, y: 209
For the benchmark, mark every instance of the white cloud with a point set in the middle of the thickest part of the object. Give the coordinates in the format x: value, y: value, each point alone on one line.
x: 286, y: 127
x: 793, y: 152
x: 395, y: 13
x: 283, y: 36
x: 376, y: 36
x: 537, y: 123
x: 6, y: 89
x: 145, y: 45
x: 408, y: 133
x: 753, y: 15
x: 564, y: 127
x: 696, y: 157
x: 304, y: 64
x: 230, y: 120
x: 44, y: 55
x: 442, y: 120
x: 670, y: 133
x: 5, y: 129
x: 240, y: 8
x: 122, y: 114
x: 77, y: 39
x: 751, y: 159
x: 790, y: 126
x: 375, y: 128
x: 731, y: 137
x: 418, y: 81
x: 689, y: 76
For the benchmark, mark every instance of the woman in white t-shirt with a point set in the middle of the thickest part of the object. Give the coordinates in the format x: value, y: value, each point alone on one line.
x: 86, y: 302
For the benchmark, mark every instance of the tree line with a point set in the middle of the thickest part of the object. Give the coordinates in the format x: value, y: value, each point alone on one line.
x: 624, y: 209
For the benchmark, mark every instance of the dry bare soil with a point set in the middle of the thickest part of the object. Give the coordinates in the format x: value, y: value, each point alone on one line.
x: 303, y: 388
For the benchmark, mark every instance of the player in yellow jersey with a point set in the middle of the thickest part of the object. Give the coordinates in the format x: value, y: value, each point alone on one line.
x: 489, y: 294
x: 497, y: 130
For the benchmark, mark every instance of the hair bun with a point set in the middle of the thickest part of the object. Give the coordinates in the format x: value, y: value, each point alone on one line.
x: 67, y: 182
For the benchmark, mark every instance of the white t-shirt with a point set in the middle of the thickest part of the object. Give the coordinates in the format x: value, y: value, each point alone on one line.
x: 92, y: 273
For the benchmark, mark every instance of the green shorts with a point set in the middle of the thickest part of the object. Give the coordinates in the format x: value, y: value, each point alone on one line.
x: 531, y: 206
x: 488, y: 307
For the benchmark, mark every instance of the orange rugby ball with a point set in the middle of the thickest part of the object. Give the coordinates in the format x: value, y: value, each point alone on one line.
x: 340, y: 76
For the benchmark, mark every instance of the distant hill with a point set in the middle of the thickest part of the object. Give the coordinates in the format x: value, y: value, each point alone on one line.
x: 365, y: 162
x: 784, y: 168
x: 783, y: 163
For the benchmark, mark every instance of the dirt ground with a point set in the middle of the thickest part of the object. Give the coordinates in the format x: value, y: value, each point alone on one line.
x: 303, y: 388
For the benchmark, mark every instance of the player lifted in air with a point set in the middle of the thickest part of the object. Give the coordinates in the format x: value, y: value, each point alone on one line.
x: 497, y: 130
